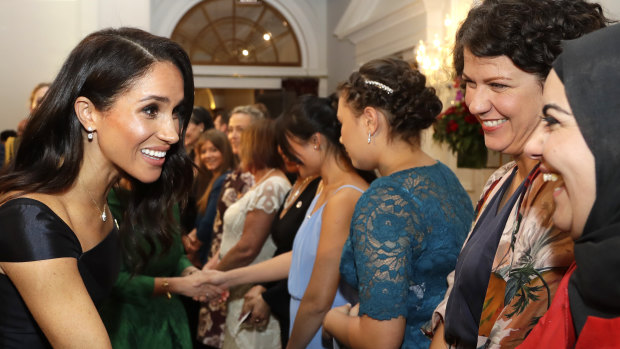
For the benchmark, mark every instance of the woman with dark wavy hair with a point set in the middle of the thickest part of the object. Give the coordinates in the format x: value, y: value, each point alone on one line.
x: 408, y: 226
x: 117, y: 109
x: 510, y: 267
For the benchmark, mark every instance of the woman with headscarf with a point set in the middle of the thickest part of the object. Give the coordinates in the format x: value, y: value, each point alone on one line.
x: 580, y: 150
x: 513, y: 259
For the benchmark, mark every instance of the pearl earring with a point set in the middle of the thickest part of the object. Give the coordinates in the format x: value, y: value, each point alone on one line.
x: 90, y: 133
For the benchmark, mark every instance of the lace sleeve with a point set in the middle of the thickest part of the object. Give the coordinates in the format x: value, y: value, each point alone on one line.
x: 269, y: 195
x: 383, y: 238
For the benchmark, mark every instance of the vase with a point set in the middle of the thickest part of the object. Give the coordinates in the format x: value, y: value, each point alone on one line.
x: 474, y: 159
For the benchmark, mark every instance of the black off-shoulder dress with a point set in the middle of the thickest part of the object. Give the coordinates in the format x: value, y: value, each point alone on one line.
x: 31, y: 231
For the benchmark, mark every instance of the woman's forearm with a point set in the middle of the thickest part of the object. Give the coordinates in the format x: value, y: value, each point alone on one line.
x: 237, y: 257
x: 272, y: 269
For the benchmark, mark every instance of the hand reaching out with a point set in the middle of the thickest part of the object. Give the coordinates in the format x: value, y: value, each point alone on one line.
x: 195, y: 285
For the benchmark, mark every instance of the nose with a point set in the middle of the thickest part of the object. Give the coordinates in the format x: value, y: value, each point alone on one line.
x: 536, y: 142
x: 169, y: 130
x: 477, y: 101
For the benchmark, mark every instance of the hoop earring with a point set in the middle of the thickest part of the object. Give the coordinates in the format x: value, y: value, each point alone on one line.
x: 90, y: 133
x: 369, y: 137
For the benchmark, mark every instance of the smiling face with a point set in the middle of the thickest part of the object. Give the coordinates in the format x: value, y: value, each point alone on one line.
x: 505, y: 99
x: 210, y: 156
x: 565, y: 152
x: 237, y: 123
x: 135, y: 133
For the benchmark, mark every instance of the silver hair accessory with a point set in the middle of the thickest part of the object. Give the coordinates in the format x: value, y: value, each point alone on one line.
x: 90, y: 134
x: 384, y: 87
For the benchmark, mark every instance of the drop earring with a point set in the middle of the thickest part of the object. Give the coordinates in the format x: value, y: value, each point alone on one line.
x: 90, y: 133
x: 368, y: 137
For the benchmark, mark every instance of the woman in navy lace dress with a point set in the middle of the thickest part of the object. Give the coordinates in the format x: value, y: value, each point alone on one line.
x: 408, y: 227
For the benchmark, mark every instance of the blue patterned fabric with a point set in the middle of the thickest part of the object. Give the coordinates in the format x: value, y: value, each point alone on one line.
x: 406, y: 233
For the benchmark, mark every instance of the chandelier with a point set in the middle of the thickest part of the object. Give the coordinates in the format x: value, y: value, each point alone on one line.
x: 435, y: 58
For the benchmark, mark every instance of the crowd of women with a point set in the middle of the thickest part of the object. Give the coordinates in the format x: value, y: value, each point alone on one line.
x: 128, y: 221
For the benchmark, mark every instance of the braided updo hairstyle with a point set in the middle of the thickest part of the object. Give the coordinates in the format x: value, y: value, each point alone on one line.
x: 529, y: 32
x: 409, y: 107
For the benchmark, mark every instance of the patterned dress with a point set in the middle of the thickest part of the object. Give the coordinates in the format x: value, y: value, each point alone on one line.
x: 267, y: 196
x: 406, y: 233
x: 212, y: 316
x: 531, y: 259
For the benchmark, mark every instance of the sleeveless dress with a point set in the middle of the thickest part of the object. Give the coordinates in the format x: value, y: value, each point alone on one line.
x: 304, y: 254
x: 283, y: 231
x: 267, y: 196
x: 31, y: 231
x: 406, y: 234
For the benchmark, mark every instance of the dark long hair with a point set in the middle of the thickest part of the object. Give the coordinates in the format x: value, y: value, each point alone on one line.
x: 102, y: 67
x: 229, y: 162
x: 309, y: 115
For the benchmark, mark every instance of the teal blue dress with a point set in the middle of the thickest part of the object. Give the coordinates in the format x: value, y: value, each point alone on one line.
x: 406, y: 234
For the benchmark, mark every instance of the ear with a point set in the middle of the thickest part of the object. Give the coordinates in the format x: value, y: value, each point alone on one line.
x: 316, y: 139
x: 86, y: 112
x: 370, y: 118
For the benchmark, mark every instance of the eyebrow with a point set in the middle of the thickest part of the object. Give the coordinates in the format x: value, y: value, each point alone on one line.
x: 493, y: 78
x: 554, y: 107
x: 157, y: 98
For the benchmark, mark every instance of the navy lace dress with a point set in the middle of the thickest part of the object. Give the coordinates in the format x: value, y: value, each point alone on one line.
x: 406, y: 233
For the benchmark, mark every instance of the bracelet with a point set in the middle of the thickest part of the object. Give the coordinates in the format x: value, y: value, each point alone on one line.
x: 166, y: 286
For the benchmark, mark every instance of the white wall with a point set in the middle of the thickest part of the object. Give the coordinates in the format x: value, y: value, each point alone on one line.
x: 37, y: 35
x: 340, y: 53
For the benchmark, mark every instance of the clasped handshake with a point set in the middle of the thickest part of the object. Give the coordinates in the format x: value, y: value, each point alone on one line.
x: 204, y: 286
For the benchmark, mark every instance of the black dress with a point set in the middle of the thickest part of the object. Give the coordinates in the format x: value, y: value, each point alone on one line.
x: 283, y: 231
x: 31, y: 231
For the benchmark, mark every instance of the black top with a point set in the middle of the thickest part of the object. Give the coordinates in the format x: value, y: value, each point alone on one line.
x: 473, y: 270
x: 283, y: 231
x: 589, y: 68
x: 31, y: 231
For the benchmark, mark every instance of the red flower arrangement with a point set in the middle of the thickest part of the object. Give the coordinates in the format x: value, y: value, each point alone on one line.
x: 460, y: 129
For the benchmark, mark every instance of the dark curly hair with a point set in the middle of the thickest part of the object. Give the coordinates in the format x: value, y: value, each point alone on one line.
x: 529, y: 32
x: 102, y: 67
x: 409, y: 109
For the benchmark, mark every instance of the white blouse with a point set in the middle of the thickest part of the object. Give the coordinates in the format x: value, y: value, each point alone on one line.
x: 267, y: 196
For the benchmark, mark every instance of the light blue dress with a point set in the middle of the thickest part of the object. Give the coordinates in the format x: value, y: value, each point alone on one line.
x: 406, y: 233
x: 304, y: 253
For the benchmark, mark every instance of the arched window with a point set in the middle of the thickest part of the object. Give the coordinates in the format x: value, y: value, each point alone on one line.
x: 234, y: 32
